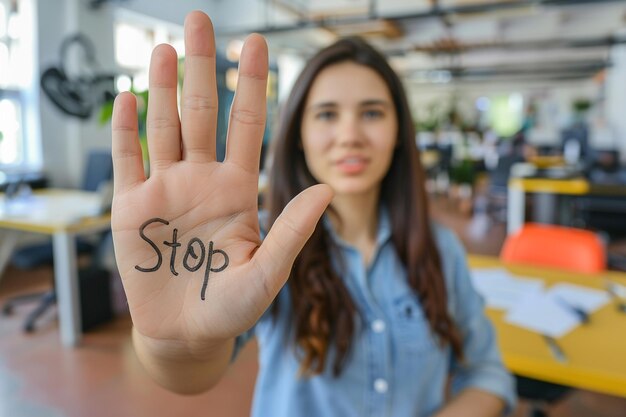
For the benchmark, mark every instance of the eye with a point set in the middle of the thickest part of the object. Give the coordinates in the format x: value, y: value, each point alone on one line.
x: 373, y: 114
x: 326, y: 115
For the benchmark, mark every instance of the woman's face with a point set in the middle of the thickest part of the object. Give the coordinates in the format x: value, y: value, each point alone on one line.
x: 349, y: 128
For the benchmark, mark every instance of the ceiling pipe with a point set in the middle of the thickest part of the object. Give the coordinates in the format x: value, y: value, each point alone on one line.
x: 588, y: 69
x: 547, y: 44
x: 570, y: 66
x: 509, y: 80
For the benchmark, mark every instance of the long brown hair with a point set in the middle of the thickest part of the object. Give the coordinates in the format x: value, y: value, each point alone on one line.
x: 324, y: 313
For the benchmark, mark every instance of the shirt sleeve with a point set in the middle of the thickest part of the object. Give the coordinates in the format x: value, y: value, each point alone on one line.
x: 482, y: 367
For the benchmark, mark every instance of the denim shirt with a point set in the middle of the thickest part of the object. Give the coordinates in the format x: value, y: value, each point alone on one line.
x: 396, y: 368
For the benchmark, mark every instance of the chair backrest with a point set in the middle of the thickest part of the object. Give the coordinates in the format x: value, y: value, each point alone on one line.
x: 99, y: 169
x: 555, y: 246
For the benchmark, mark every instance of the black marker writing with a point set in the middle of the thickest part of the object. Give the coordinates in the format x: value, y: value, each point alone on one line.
x: 191, y: 252
x: 174, y: 245
x: 151, y: 243
x: 209, y: 269
x: 196, y: 250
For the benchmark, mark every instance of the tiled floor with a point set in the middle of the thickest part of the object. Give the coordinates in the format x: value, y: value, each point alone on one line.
x: 39, y: 378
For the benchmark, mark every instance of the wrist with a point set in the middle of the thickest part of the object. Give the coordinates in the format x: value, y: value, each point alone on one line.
x: 169, y: 350
x: 181, y: 367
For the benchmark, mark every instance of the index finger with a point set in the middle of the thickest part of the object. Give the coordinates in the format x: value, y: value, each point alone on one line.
x: 126, y: 150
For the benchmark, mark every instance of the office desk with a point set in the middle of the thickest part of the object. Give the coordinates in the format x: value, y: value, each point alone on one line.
x: 518, y: 187
x: 430, y: 158
x: 547, y: 161
x: 596, y: 352
x: 62, y: 214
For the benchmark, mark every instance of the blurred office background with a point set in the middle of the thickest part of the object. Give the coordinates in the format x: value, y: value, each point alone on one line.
x: 509, y: 97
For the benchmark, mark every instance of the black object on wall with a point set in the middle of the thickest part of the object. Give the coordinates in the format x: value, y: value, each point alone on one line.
x: 78, y: 96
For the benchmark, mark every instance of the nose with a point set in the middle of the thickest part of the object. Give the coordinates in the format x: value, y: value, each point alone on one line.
x: 349, y: 131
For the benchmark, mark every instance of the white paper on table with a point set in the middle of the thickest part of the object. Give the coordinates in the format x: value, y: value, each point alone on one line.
x: 500, y: 289
x: 542, y: 313
x: 578, y: 296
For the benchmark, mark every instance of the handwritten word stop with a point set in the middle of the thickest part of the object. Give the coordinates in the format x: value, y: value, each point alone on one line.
x: 195, y: 254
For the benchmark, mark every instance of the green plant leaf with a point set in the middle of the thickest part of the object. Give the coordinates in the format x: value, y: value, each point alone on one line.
x: 106, y: 113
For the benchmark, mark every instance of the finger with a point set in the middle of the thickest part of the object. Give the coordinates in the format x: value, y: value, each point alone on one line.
x: 162, y: 121
x: 199, y: 101
x: 126, y: 151
x: 288, y: 235
x: 247, y: 116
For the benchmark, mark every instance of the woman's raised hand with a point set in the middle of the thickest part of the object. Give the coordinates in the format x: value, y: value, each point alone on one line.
x: 187, y: 238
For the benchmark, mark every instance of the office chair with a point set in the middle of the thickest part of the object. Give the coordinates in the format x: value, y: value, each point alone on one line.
x: 99, y: 169
x: 509, y: 154
x: 560, y: 247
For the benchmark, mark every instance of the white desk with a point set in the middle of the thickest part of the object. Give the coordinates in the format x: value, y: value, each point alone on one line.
x: 62, y: 214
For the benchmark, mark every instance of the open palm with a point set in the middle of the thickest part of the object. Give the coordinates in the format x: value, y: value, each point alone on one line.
x: 193, y: 207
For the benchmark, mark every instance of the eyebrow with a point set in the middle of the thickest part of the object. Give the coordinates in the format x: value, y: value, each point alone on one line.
x: 375, y: 102
x: 369, y: 102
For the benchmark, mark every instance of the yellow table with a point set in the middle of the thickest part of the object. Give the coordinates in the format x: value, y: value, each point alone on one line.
x: 547, y: 161
x: 62, y: 214
x: 518, y: 187
x: 596, y: 352
x: 430, y: 158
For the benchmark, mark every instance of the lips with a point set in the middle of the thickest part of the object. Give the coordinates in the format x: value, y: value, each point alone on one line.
x: 352, y: 164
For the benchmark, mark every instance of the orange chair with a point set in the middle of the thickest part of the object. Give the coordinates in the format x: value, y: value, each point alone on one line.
x: 566, y: 248
x: 575, y: 250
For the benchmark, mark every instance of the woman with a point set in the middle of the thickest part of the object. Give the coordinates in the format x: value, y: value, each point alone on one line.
x: 373, y: 320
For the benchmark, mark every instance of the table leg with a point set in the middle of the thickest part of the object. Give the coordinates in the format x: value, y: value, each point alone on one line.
x: 515, y: 209
x: 7, y: 244
x: 66, y: 279
x: 545, y: 208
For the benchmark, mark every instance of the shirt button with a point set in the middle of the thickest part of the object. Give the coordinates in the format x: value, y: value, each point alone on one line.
x: 378, y: 326
x: 381, y: 386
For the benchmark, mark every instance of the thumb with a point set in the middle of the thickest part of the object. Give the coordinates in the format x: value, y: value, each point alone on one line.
x: 288, y: 234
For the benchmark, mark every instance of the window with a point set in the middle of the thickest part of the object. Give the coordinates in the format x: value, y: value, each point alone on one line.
x: 135, y: 37
x: 506, y: 113
x: 16, y: 52
x: 11, y: 140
